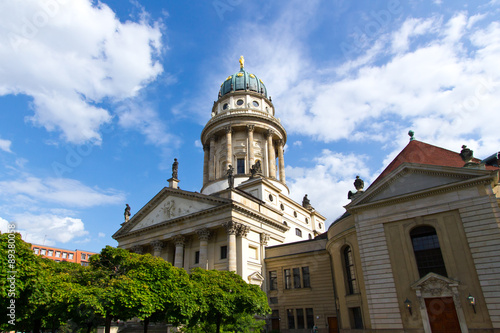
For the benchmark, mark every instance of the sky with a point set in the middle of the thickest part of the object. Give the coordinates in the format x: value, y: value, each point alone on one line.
x: 98, y: 98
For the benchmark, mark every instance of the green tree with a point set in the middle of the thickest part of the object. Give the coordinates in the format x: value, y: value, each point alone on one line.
x: 132, y: 285
x: 225, y: 299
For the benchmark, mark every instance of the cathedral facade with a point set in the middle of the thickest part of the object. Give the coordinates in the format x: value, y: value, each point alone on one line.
x: 417, y: 251
x: 244, y: 202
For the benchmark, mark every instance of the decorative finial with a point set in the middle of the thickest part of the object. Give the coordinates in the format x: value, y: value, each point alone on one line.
x: 242, y: 62
x: 466, y: 154
x: 359, y: 184
x: 411, y: 133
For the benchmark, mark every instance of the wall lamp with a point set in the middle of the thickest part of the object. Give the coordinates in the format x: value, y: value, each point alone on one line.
x: 408, y: 305
x: 472, y: 301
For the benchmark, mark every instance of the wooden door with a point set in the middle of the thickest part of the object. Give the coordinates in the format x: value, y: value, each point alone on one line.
x: 442, y: 315
x: 333, y: 325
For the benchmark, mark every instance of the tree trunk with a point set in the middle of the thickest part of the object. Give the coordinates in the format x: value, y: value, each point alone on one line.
x: 37, y: 323
x: 89, y: 327
x: 108, y: 323
x: 146, y: 323
x: 218, y: 325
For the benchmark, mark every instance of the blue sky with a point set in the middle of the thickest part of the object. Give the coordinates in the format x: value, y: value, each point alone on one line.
x: 98, y: 98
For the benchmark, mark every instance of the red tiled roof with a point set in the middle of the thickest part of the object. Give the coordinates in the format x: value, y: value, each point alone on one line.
x: 424, y: 153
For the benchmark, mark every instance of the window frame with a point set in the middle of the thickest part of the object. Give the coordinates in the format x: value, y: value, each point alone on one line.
x: 273, y: 280
x: 350, y: 270
x: 223, y: 252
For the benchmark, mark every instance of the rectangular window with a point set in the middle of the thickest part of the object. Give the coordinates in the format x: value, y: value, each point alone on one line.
x: 240, y: 162
x: 50, y: 253
x: 253, y: 252
x: 64, y: 255
x: 223, y: 252
x: 291, y: 319
x: 288, y: 279
x: 296, y: 278
x: 298, y: 232
x: 305, y: 277
x: 356, y: 318
x: 300, y: 318
x: 84, y: 257
x: 43, y: 252
x: 310, y: 317
x: 70, y: 256
x: 197, y: 257
x: 273, y: 280
x: 36, y: 250
x: 273, y: 300
x: 58, y: 254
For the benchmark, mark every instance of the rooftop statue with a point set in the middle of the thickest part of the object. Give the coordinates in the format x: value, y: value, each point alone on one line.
x: 242, y: 62
x: 175, y: 169
x: 230, y: 177
x: 127, y: 213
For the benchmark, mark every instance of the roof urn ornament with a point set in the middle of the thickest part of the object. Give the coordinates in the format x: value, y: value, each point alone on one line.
x: 359, y: 184
x: 466, y: 154
x: 411, y: 134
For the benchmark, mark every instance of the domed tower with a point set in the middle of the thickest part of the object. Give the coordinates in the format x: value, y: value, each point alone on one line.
x: 243, y: 132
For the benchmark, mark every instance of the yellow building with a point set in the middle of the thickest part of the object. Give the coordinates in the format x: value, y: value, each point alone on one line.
x: 418, y: 251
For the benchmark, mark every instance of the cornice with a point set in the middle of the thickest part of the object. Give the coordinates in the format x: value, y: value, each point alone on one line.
x: 487, y: 179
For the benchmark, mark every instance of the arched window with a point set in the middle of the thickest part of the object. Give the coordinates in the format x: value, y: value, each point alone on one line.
x: 427, y: 251
x: 352, y: 288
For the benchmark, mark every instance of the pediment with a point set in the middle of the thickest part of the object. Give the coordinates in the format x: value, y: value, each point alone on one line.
x: 170, y: 208
x: 169, y: 204
x: 255, y: 278
x: 411, y: 178
x: 435, y: 285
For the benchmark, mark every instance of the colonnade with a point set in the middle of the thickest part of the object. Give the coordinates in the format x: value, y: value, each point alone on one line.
x: 237, y: 243
x: 269, y: 159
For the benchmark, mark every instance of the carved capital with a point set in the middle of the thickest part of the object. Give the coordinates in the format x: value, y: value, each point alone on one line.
x: 269, y: 133
x: 228, y: 129
x: 179, y: 240
x: 250, y: 128
x: 280, y: 143
x: 213, y: 138
x: 157, y: 245
x: 264, y: 238
x: 231, y: 227
x: 243, y: 230
x: 204, y: 234
x: 139, y: 249
x: 206, y: 147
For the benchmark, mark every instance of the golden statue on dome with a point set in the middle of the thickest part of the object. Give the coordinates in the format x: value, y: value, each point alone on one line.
x: 242, y: 62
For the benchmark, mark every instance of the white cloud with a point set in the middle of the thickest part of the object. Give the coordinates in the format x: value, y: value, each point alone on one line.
x: 5, y: 145
x: 71, y: 55
x: 4, y: 225
x: 328, y: 181
x: 62, y: 191
x: 298, y: 143
x: 101, y: 235
x: 49, y: 229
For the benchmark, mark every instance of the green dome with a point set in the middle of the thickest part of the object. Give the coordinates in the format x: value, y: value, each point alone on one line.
x: 242, y: 80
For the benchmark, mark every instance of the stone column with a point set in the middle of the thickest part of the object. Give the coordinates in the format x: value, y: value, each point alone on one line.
x: 251, y: 158
x: 270, y: 153
x: 157, y: 246
x: 281, y: 162
x: 211, y: 161
x: 139, y: 249
x: 179, y: 242
x: 206, y: 157
x: 264, y: 239
x: 204, y: 235
x: 231, y: 229
x: 242, y: 246
x: 229, y: 147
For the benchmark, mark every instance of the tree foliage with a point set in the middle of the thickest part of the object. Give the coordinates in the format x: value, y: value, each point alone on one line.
x: 121, y: 285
